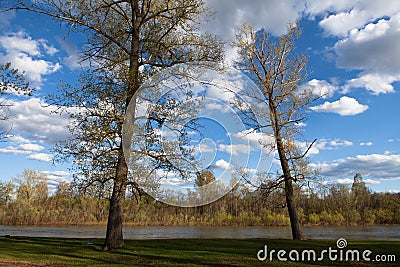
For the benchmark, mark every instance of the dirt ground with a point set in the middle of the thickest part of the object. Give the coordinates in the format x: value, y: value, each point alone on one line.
x: 11, y: 263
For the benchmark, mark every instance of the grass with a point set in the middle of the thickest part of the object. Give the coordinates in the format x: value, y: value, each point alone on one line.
x: 178, y: 252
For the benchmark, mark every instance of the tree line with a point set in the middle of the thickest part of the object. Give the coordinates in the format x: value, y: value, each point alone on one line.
x: 26, y: 201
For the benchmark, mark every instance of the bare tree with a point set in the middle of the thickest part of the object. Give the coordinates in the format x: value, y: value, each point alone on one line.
x: 131, y: 40
x: 271, y: 62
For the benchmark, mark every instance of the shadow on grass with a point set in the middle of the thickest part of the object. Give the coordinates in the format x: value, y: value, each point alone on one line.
x: 177, y: 252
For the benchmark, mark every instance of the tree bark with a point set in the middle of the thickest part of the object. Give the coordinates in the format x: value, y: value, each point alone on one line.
x: 289, y: 194
x: 114, y: 235
x: 297, y: 233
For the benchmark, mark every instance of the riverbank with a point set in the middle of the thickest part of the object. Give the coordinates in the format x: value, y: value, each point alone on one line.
x: 179, y: 252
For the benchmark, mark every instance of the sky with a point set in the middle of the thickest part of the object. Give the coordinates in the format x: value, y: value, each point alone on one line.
x: 352, y: 50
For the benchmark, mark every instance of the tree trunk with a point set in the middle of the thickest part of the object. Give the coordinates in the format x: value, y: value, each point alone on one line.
x: 297, y: 233
x: 294, y: 219
x: 114, y: 235
x: 290, y: 203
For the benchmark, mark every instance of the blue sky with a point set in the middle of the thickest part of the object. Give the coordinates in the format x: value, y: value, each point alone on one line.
x: 353, y: 57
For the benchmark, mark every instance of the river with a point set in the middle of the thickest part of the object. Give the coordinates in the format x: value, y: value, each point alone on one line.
x: 391, y: 232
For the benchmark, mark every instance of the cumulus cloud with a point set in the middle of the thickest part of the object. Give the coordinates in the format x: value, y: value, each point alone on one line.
x: 234, y: 149
x: 372, y: 50
x: 273, y: 14
x: 14, y: 150
x: 26, y: 54
x: 22, y: 148
x: 36, y: 121
x: 31, y: 147
x: 41, y: 157
x: 345, y: 106
x: 256, y: 139
x: 367, y: 42
x: 317, y: 7
x: 374, y: 83
x: 340, y: 24
x: 367, y: 32
x: 381, y: 167
x: 322, y: 88
x: 353, y: 14
x: 324, y: 144
x: 222, y: 164
x: 17, y: 139
x: 19, y: 145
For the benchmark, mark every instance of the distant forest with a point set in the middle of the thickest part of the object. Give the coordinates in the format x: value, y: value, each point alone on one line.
x: 26, y: 201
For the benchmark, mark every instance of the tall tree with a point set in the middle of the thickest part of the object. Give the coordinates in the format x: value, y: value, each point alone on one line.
x: 131, y: 40
x: 272, y: 63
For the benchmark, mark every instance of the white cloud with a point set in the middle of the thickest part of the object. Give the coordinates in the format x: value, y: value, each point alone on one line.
x: 371, y: 31
x: 273, y: 14
x: 24, y: 148
x: 256, y: 139
x: 353, y: 14
x: 374, y: 53
x: 235, y: 149
x: 17, y: 139
x: 41, y: 157
x: 340, y: 16
x: 378, y: 166
x: 50, y: 50
x: 318, y: 7
x: 31, y: 147
x: 366, y: 41
x: 20, y: 42
x: 322, y: 88
x: 372, y: 50
x: 345, y: 106
x: 206, y: 147
x: 348, y: 181
x: 371, y: 181
x: 26, y: 54
x: 340, y: 24
x: 14, y: 150
x: 33, y: 119
x: 222, y: 164
x: 374, y: 83
x: 324, y: 144
x: 366, y: 144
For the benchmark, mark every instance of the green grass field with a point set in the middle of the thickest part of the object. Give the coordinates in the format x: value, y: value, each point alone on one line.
x: 178, y: 252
